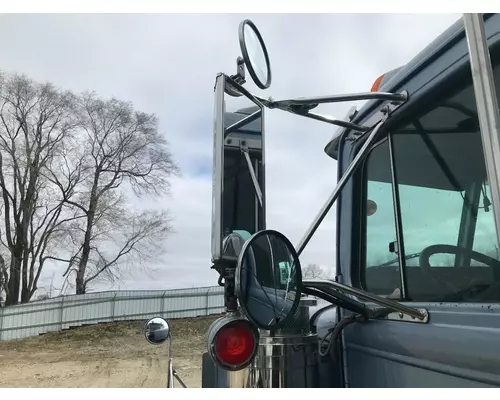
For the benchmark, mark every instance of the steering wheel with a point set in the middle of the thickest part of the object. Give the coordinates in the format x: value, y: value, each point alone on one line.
x: 429, y: 251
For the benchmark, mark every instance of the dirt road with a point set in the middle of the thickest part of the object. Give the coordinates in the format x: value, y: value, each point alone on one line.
x: 110, y: 355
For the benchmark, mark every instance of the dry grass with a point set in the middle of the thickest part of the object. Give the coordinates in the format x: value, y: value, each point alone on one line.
x: 105, y: 355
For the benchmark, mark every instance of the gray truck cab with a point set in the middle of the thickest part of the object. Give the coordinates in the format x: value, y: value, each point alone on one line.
x: 432, y: 242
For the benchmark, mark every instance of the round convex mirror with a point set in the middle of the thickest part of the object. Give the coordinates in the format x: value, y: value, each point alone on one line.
x: 254, y: 53
x: 233, y: 243
x: 157, y: 330
x: 268, y: 279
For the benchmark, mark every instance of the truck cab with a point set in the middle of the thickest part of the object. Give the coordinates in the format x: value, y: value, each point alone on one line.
x: 432, y: 242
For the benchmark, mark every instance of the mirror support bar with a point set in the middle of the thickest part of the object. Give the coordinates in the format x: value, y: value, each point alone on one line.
x: 252, y: 174
x: 323, y: 285
x: 333, y: 121
x: 487, y: 104
x: 340, y: 98
x: 342, y: 182
x: 302, y: 106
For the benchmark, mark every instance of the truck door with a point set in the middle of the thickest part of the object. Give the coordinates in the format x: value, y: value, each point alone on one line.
x: 427, y: 238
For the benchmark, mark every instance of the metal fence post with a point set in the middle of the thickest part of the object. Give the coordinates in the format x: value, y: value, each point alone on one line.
x: 206, y: 301
x: 113, y: 305
x: 162, y: 305
x: 61, y: 314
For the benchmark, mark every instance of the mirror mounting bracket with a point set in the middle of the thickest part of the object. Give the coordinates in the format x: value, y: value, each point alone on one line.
x: 399, y: 311
x: 226, y: 267
x: 238, y: 78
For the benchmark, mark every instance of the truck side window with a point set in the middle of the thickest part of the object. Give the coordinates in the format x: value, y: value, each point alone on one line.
x: 382, y: 267
x: 448, y: 228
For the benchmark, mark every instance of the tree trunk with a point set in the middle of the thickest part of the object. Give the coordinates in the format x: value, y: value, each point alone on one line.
x: 80, y: 282
x: 13, y: 285
x: 82, y: 265
x: 25, y: 295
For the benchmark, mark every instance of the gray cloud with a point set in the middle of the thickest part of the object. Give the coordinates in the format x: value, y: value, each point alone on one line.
x: 166, y: 64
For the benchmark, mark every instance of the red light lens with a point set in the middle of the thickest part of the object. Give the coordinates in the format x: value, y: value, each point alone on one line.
x: 235, y: 343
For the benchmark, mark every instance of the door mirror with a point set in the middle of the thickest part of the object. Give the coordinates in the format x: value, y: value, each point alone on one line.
x: 268, y: 279
x: 157, y: 331
x: 254, y: 54
x: 238, y: 189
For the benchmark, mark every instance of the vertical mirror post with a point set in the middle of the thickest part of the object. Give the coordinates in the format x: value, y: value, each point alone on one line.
x: 218, y: 168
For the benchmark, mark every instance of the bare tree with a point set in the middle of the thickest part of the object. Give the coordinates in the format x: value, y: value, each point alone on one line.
x: 35, y: 120
x: 3, y: 279
x: 121, y: 154
x: 313, y: 271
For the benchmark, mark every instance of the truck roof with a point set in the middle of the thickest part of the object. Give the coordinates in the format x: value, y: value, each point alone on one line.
x: 417, y: 63
x: 398, y: 77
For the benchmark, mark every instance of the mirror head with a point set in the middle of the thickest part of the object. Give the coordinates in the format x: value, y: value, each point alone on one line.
x: 255, y: 54
x: 234, y: 242
x: 157, y: 330
x: 371, y: 208
x: 268, y: 279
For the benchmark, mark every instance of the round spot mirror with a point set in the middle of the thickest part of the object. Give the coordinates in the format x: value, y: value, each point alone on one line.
x: 157, y: 330
x: 268, y: 279
x: 254, y: 54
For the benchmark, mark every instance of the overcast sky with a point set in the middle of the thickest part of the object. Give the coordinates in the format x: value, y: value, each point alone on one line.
x: 166, y: 64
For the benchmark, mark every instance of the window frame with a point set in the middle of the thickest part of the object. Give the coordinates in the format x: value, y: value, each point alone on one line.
x: 363, y: 219
x: 466, y: 230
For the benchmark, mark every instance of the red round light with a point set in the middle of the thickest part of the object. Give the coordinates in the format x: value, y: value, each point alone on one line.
x: 235, y: 344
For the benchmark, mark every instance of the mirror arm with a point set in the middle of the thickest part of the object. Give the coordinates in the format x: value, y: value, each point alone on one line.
x: 242, y: 122
x: 323, y: 284
x: 302, y: 106
x: 339, y: 299
x: 174, y: 373
x: 341, y: 98
x: 330, y: 120
x: 340, y: 185
x: 256, y: 185
x: 170, y: 374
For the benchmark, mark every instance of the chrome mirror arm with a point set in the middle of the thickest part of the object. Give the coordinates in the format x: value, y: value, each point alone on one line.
x: 170, y: 372
x: 340, y: 185
x: 329, y: 120
x: 312, y: 102
x: 302, y: 106
x: 176, y: 376
x: 329, y: 286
